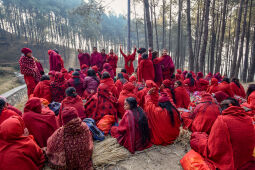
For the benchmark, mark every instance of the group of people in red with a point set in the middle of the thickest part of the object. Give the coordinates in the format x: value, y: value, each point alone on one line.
x: 139, y: 108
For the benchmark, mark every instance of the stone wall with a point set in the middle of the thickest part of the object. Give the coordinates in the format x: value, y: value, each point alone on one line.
x: 15, y: 95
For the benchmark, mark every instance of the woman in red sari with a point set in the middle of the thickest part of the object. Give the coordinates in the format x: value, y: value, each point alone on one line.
x: 58, y: 87
x: 167, y: 65
x: 190, y: 83
x: 129, y: 59
x: 42, y: 89
x: 237, y: 88
x: 249, y: 106
x: 112, y: 59
x: 17, y: 149
x: 225, y: 87
x: 56, y: 62
x: 71, y: 146
x: 133, y: 131
x: 39, y: 124
x: 213, y: 87
x: 108, y: 68
x: 182, y: 97
x: 146, y: 69
x: 72, y: 100
x: 29, y: 69
x: 231, y: 141
x: 5, y: 113
x: 202, y: 84
x: 164, y: 119
x: 77, y: 82
x: 100, y: 104
x: 108, y: 81
x: 120, y: 82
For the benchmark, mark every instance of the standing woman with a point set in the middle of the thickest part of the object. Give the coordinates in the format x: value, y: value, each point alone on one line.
x: 133, y: 131
x: 84, y: 58
x: 129, y: 59
x: 158, y: 71
x: 29, y: 69
x: 146, y: 69
x: 112, y: 59
x: 167, y: 65
x: 56, y: 62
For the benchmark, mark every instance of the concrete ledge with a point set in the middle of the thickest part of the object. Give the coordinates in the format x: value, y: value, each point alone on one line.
x: 15, y: 95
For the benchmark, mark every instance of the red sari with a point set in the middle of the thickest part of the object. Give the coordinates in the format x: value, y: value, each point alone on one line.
x: 225, y: 87
x: 239, y: 91
x: 58, y: 87
x: 182, y: 97
x: 112, y: 59
x: 163, y: 132
x: 6, y: 113
x: 129, y: 61
x: 213, y: 87
x: 205, y: 114
x: 146, y: 70
x: 111, y: 86
x: 39, y: 124
x: 16, y: 150
x: 56, y: 62
x: 75, y: 102
x: 231, y: 141
x: 42, y: 90
x: 100, y: 104
x: 128, y: 134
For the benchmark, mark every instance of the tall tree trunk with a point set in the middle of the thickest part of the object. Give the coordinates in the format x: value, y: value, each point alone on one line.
x: 205, y: 38
x: 136, y: 26
x: 213, y: 39
x: 191, y: 56
x: 155, y: 24
x: 170, y: 29
x: 179, y: 33
x: 237, y: 33
x: 252, y: 66
x: 129, y: 45
x: 242, y: 40
x: 245, y: 68
x: 145, y: 29
x: 197, y: 33
x: 148, y: 23
x: 164, y: 25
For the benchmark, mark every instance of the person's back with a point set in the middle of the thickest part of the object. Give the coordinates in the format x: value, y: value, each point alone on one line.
x: 18, y: 151
x: 58, y: 87
x: 91, y: 84
x: 181, y: 96
x: 225, y: 87
x: 71, y: 146
x: 146, y: 68
x: 5, y: 113
x: 77, y: 82
x: 108, y: 81
x: 40, y: 125
x: 163, y: 120
x: 237, y: 88
x: 42, y: 89
x: 205, y: 113
x: 231, y: 141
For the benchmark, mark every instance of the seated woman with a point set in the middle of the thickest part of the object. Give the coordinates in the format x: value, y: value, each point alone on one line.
x: 213, y: 88
x: 42, y: 89
x: 17, y: 150
x: 231, y: 141
x: 77, y: 82
x: 182, y: 97
x: 9, y: 106
x: 108, y: 81
x: 90, y: 83
x: 120, y: 82
x: 5, y: 113
x: 190, y: 83
x: 249, y: 106
x: 40, y: 125
x: 133, y: 131
x: 128, y: 91
x: 58, y: 87
x: 100, y: 104
x: 108, y: 68
x: 225, y: 87
x: 164, y: 119
x: 71, y: 146
x: 72, y: 100
x: 202, y: 84
x: 237, y: 88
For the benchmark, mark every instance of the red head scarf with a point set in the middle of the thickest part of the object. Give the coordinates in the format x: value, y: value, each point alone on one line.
x: 132, y: 78
x: 26, y: 51
x: 68, y: 114
x: 84, y: 66
x: 95, y: 68
x: 129, y: 87
x: 220, y: 96
x: 163, y: 97
x: 200, y: 75
x: 179, y: 71
x: 214, y: 81
x: 34, y: 105
x: 167, y: 83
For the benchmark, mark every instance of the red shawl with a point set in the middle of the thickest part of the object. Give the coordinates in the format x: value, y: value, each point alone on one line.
x: 163, y: 132
x: 231, y: 141
x: 6, y: 113
x: 128, y: 134
x: 205, y: 113
x: 42, y: 90
x: 213, y: 87
x: 58, y: 87
x: 40, y: 125
x: 225, y: 87
x: 100, y: 104
x: 56, y: 62
x: 111, y: 86
x: 84, y: 58
x: 182, y: 97
x: 146, y: 70
x: 71, y: 147
x: 239, y: 91
x: 28, y: 68
x: 129, y: 61
x: 108, y: 68
x: 202, y: 84
x: 18, y: 151
x: 75, y: 102
x: 128, y: 91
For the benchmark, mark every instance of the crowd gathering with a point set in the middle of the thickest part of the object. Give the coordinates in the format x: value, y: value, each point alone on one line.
x: 67, y: 109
